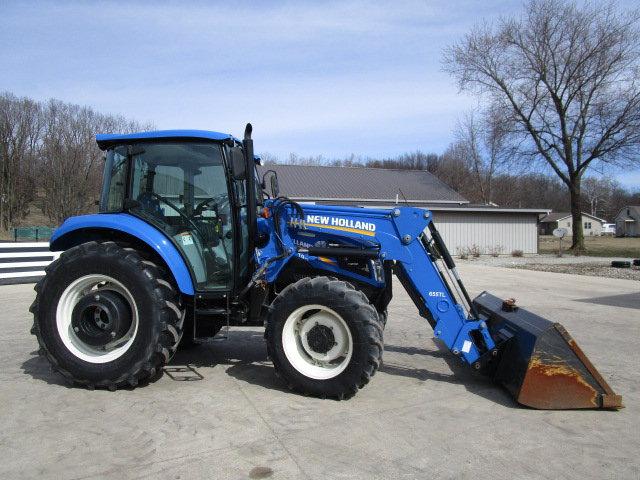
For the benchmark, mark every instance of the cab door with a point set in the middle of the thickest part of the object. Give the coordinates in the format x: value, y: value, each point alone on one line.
x: 243, y: 258
x: 181, y: 187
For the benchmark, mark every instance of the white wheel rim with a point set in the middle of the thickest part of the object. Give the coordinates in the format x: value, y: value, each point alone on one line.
x: 67, y: 302
x: 312, y: 364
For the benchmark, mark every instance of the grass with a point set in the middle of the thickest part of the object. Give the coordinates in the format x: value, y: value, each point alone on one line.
x: 604, y: 246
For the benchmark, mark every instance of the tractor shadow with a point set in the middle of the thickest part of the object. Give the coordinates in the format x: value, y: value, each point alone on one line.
x: 461, y: 374
x: 244, y: 355
x: 38, y: 368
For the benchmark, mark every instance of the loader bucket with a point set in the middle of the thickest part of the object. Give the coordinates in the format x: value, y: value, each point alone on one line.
x: 539, y: 363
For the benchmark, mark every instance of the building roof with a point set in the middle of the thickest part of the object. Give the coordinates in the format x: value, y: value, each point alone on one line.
x: 557, y: 216
x: 633, y: 215
x: 362, y: 185
x: 554, y: 217
x: 106, y: 140
x: 488, y: 209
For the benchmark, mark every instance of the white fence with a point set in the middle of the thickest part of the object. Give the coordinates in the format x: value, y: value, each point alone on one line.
x: 24, y: 262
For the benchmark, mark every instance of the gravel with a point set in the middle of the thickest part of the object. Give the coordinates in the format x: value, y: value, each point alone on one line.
x: 592, y: 269
x: 593, y: 266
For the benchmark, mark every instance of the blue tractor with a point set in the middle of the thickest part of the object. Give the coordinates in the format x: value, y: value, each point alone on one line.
x: 187, y: 241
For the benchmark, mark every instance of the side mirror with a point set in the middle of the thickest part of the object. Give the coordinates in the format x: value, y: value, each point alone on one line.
x: 273, y: 183
x: 238, y: 167
x: 275, y: 188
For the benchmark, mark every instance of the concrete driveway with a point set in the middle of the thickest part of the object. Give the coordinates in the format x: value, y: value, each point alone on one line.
x: 422, y: 416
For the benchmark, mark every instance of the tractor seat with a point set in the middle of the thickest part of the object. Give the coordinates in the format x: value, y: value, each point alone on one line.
x: 150, y: 204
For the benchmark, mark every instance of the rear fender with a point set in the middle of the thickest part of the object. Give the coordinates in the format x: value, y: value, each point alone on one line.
x: 85, y: 228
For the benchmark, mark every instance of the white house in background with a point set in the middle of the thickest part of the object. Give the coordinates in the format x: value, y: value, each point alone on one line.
x: 628, y: 221
x: 590, y: 225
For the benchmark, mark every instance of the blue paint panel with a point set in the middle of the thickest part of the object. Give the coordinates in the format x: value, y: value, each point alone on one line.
x: 126, y: 223
x: 105, y: 140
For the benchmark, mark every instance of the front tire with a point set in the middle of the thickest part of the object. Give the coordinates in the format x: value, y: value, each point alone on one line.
x: 106, y: 317
x: 324, y: 337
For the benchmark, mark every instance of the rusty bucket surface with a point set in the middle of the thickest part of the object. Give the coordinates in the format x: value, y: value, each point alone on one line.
x: 540, y: 363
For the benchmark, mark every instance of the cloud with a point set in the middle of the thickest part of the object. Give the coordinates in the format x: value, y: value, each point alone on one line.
x: 329, y: 78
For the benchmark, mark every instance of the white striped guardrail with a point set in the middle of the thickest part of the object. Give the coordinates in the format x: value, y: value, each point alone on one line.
x: 24, y: 262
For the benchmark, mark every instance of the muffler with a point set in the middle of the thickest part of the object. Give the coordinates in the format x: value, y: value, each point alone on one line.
x: 539, y: 363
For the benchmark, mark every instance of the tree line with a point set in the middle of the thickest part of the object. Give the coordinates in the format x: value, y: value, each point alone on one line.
x: 49, y: 158
x: 602, y: 195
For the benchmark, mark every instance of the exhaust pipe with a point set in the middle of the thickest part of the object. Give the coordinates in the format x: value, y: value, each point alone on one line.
x: 539, y: 363
x: 247, y: 146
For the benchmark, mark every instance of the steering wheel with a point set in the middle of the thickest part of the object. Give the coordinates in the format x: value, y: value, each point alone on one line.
x: 200, y: 207
x: 175, y: 207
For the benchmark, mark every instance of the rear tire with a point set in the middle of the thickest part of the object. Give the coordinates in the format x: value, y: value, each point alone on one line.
x: 148, y: 302
x: 343, y: 352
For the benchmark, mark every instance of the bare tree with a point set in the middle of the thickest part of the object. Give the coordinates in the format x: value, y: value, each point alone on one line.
x: 71, y: 166
x: 268, y: 159
x: 620, y: 198
x: 50, y: 151
x: 482, y: 139
x: 454, y: 169
x: 531, y: 190
x: 566, y: 76
x: 20, y: 129
x: 406, y: 161
x: 295, y: 159
x: 596, y: 192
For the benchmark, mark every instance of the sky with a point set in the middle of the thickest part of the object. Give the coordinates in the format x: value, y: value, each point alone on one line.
x: 314, y: 78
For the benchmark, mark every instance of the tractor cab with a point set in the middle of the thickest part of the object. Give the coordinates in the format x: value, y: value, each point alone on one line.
x: 191, y: 190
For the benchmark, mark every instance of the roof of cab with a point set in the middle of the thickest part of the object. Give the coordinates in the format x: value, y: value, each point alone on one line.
x: 109, y: 139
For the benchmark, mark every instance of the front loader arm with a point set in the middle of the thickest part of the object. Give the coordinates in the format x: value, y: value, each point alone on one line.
x: 396, y: 236
x: 462, y: 332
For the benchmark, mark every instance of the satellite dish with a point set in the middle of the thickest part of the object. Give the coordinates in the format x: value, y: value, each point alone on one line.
x: 560, y: 232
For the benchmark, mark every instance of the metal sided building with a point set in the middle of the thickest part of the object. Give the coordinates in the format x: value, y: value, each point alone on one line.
x: 462, y: 225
